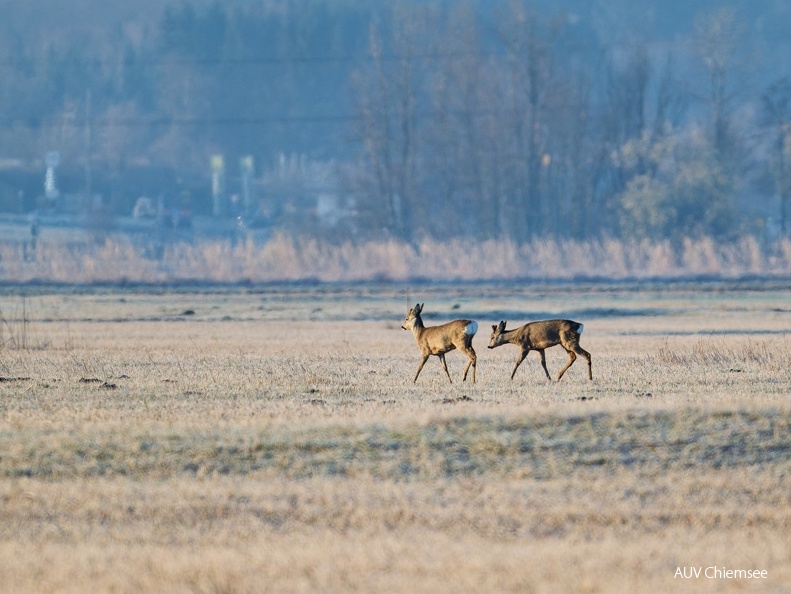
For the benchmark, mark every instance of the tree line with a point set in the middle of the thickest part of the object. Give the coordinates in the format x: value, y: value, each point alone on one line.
x: 442, y: 119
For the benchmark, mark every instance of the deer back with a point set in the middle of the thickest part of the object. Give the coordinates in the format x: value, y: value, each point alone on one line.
x: 446, y: 337
x: 547, y: 333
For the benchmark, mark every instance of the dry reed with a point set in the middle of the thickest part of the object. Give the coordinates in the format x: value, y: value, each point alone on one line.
x: 285, y: 258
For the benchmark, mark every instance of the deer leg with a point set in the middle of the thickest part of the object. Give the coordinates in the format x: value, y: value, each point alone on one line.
x: 587, y: 356
x: 470, y: 352
x: 572, y: 358
x: 519, y: 360
x: 420, y: 366
x: 444, y: 366
x: 544, y: 363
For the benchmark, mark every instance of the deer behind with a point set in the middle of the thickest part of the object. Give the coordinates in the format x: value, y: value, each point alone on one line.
x: 537, y: 336
x: 438, y: 340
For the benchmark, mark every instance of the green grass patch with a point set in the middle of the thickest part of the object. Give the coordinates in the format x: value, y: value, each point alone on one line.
x: 463, y: 446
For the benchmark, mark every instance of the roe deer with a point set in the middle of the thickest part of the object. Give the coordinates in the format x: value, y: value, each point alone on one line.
x: 438, y: 340
x: 537, y: 336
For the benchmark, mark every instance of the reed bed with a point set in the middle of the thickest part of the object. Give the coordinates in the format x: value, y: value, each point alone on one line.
x: 285, y: 258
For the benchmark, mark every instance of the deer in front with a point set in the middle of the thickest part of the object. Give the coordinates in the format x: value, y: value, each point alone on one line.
x: 537, y: 336
x: 438, y: 340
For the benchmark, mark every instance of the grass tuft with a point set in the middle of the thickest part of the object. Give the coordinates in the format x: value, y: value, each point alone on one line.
x: 720, y: 352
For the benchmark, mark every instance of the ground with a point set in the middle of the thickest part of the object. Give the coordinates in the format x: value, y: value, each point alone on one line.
x: 271, y: 439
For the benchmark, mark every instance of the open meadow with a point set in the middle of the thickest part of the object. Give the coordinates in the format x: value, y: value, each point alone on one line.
x: 240, y: 439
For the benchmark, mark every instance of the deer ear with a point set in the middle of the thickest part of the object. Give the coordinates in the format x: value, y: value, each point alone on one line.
x: 420, y: 307
x: 502, y: 325
x: 494, y: 327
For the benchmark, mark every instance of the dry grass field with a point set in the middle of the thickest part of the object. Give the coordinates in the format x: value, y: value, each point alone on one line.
x: 271, y: 440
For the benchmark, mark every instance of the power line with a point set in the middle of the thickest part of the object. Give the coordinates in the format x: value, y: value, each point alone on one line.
x: 153, y: 122
x: 165, y: 121
x: 16, y: 61
x: 280, y: 60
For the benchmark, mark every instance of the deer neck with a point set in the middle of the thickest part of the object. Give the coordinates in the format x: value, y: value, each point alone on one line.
x: 418, y: 327
x: 512, y: 336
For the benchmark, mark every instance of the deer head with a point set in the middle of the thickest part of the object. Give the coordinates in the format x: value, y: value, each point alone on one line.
x: 497, y: 337
x: 412, y: 318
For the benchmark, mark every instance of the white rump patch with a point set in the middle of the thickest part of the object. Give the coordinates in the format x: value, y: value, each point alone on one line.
x: 471, y: 328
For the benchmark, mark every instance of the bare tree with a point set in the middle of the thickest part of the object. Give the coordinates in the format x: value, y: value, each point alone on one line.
x: 388, y: 91
x: 719, y: 42
x: 776, y: 108
x: 573, y: 160
x: 527, y: 71
x: 458, y: 152
x: 670, y: 103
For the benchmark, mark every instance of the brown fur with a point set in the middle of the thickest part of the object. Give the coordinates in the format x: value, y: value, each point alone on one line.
x: 538, y: 336
x: 438, y: 340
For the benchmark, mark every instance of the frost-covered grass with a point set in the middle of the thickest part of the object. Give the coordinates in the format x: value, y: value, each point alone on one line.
x: 273, y: 441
